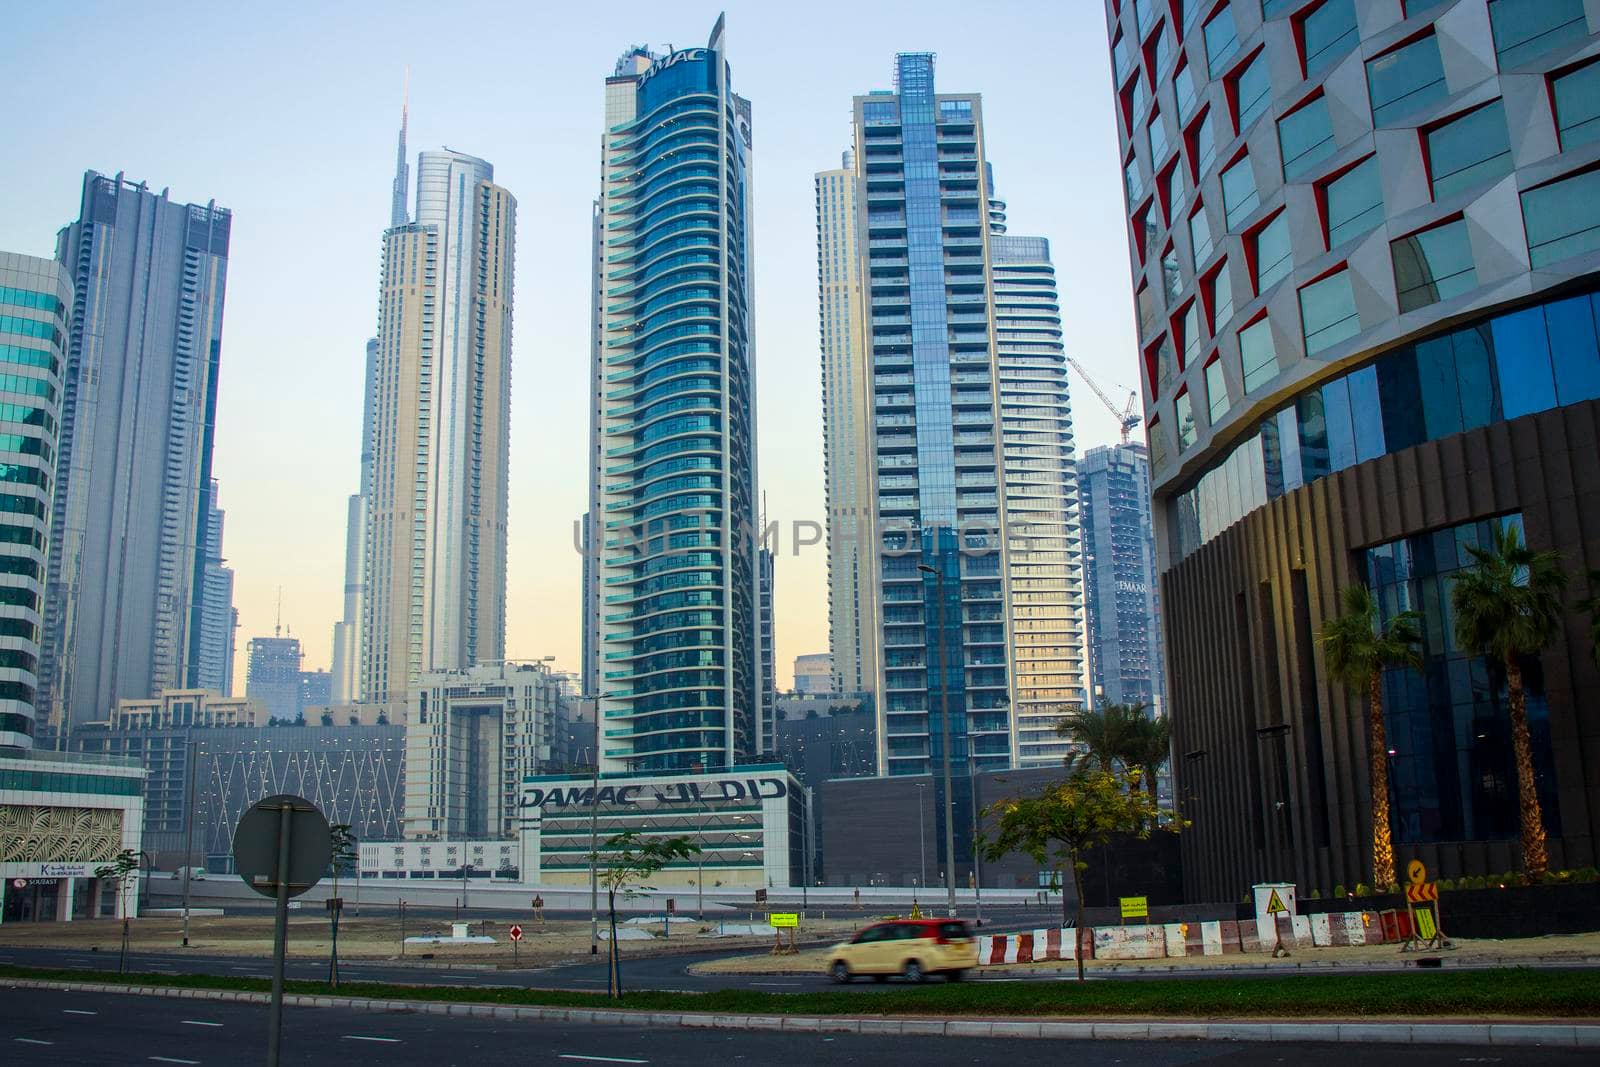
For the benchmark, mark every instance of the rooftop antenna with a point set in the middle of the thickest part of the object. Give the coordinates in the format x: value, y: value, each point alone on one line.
x: 277, y: 629
x: 399, y: 212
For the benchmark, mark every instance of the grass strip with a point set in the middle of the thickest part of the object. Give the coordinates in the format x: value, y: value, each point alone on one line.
x: 1498, y: 993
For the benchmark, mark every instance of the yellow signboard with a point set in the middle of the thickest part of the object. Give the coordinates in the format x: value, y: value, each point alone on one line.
x: 1275, y: 905
x: 1427, y: 929
x: 1416, y: 873
x: 1135, y: 907
x: 783, y: 918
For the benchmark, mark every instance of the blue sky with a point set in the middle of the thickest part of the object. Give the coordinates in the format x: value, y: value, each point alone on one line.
x: 286, y: 113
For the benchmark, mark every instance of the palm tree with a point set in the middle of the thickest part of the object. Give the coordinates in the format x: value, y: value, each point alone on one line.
x: 1107, y: 736
x: 1358, y: 651
x: 1508, y: 606
x: 1150, y: 746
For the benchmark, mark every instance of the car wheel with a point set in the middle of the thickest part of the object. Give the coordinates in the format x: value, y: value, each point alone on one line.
x: 954, y: 976
x: 913, y: 972
x: 841, y: 972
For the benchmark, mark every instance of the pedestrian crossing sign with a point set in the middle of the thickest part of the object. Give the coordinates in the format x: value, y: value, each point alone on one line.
x: 1275, y: 904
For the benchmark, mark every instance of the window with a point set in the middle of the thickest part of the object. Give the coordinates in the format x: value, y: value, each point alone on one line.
x: 1144, y: 15
x: 1121, y: 58
x: 955, y: 111
x: 1187, y: 11
x: 1202, y: 146
x: 1144, y: 232
x: 1158, y: 139
x: 1171, y: 276
x: 1158, y: 53
x: 1191, y: 332
x: 1222, y: 41
x: 1188, y: 93
x: 1524, y: 29
x: 1251, y: 90
x: 1272, y: 253
x: 1271, y: 9
x: 1133, y: 180
x: 1200, y: 235
x: 1433, y: 265
x: 1149, y: 314
x: 1216, y: 391
x: 1405, y: 80
x: 1219, y: 297
x: 1172, y: 190
x: 1354, y: 202
x: 1328, y: 34
x: 1239, y: 197
x: 1305, y: 136
x: 1562, y: 218
x: 1134, y: 99
x: 1328, y: 312
x: 1258, y: 362
x: 1577, y: 96
x: 1470, y: 150
x: 1185, y: 411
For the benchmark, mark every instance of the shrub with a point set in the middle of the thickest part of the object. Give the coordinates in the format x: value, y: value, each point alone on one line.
x: 1362, y: 890
x: 1338, y: 890
x: 1316, y: 894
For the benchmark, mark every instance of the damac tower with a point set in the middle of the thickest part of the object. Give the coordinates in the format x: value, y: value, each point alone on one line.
x: 673, y: 501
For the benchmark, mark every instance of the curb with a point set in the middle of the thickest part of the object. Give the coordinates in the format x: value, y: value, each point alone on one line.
x: 1562, y: 1035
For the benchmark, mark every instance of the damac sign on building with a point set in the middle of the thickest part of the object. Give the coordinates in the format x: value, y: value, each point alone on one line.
x: 680, y: 793
x: 675, y: 58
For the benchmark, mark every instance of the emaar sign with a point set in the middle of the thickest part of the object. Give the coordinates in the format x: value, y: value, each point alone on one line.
x: 685, y: 793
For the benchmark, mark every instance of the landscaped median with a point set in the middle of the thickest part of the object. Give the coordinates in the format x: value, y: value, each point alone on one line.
x: 1508, y: 994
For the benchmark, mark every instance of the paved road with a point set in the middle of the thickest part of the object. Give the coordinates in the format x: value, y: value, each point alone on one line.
x: 55, y: 1027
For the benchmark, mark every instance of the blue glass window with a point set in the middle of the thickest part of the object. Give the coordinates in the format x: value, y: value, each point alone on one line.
x: 1191, y: 332
x: 1577, y: 96
x: 1572, y: 349
x: 880, y: 113
x: 1174, y: 191
x: 1222, y: 41
x: 1305, y: 137
x: 1121, y: 58
x: 1221, y: 286
x: 1160, y: 54
x: 1329, y: 32
x: 1239, y: 197
x: 1216, y: 391
x: 1186, y: 430
x: 1522, y: 360
x: 1171, y: 276
x: 955, y: 111
x: 1204, y: 146
x: 1355, y: 202
x: 1273, y: 258
x: 1525, y: 29
x: 1188, y: 94
x: 1366, y: 414
x: 1133, y: 180
x: 1271, y: 9
x: 1258, y: 360
x: 1145, y: 13
x: 1328, y: 312
x: 1149, y: 311
x: 1470, y: 150
x: 1200, y: 235
x: 1252, y: 91
x: 1158, y: 139
x: 1433, y: 265
x: 1562, y: 219
x: 1405, y: 81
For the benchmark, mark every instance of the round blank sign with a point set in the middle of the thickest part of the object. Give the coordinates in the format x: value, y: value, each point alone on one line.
x: 256, y: 845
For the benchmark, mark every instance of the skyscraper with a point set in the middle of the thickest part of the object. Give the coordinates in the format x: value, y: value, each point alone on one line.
x: 272, y: 678
x: 435, y: 531
x: 674, y: 491
x: 219, y: 620
x: 35, y: 305
x: 133, y: 480
x: 766, y: 565
x: 1119, y: 576
x: 846, y: 392
x: 1043, y: 553
x: 1365, y: 242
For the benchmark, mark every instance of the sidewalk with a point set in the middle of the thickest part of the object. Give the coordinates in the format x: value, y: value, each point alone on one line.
x: 1399, y: 1032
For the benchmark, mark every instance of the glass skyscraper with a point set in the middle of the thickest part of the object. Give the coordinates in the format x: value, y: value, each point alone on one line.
x: 674, y: 469
x: 1365, y: 241
x: 35, y: 309
x: 126, y: 584
x: 1119, y: 571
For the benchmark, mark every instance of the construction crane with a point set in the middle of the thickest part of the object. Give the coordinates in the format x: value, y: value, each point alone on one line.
x: 1128, y: 415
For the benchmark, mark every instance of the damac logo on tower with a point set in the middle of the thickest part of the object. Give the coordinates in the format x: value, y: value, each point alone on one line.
x: 675, y: 58
x: 681, y: 793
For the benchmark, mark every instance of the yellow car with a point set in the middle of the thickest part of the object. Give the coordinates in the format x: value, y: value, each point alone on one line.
x: 914, y: 948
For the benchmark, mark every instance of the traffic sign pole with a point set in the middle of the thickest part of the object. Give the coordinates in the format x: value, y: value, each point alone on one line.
x: 280, y: 935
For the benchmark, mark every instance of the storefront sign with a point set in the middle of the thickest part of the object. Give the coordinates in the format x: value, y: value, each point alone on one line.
x: 50, y: 870
x: 685, y: 793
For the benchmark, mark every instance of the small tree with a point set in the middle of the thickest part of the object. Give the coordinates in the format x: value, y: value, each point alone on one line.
x: 1149, y: 746
x: 1107, y: 736
x: 124, y: 869
x: 1509, y: 605
x: 627, y: 860
x: 1059, y: 827
x: 343, y: 855
x: 1358, y: 652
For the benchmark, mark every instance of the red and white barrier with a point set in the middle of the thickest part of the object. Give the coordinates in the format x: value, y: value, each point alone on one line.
x: 1172, y: 940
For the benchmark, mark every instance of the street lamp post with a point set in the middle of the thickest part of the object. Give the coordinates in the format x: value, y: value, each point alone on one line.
x: 922, y: 836
x: 944, y: 713
x: 594, y: 853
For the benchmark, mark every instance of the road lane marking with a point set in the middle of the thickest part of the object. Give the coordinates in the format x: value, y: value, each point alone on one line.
x: 75, y: 1011
x: 198, y: 1022
x: 169, y: 1059
x: 32, y: 1041
x: 599, y: 1059
x: 363, y: 1037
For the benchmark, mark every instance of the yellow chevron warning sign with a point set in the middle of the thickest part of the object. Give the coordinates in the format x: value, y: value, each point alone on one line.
x: 1275, y: 904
